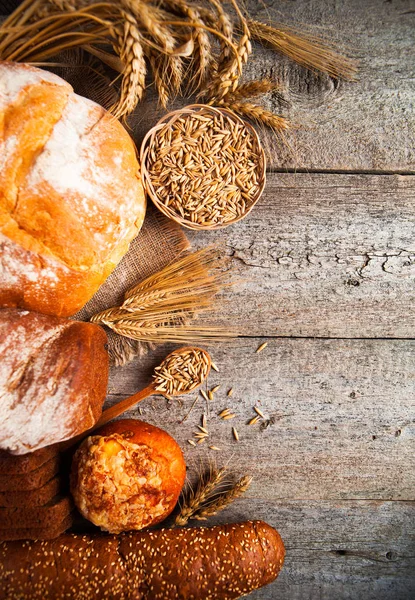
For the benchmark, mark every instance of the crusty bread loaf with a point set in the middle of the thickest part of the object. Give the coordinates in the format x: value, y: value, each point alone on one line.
x: 53, y: 379
x: 219, y: 563
x: 71, y: 198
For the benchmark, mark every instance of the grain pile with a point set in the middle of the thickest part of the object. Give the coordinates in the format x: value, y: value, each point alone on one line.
x: 203, y: 167
x: 182, y: 371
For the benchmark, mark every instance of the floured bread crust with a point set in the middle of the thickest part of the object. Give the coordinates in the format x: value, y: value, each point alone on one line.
x: 53, y: 379
x: 71, y: 198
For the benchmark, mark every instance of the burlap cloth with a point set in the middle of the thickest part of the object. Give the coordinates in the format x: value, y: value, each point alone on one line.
x: 160, y: 240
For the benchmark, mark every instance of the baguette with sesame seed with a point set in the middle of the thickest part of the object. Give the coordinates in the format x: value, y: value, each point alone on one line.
x: 218, y: 563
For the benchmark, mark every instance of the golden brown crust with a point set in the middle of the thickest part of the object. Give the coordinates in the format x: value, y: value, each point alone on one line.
x: 128, y: 476
x: 218, y: 563
x: 71, y: 198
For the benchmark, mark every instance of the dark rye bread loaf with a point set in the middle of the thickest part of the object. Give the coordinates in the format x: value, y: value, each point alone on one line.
x: 35, y: 533
x: 31, y: 498
x: 219, y: 563
x: 18, y: 517
x: 53, y: 379
x: 33, y: 480
x: 11, y: 464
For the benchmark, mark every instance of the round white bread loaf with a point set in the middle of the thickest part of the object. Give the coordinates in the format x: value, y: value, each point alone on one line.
x: 71, y: 198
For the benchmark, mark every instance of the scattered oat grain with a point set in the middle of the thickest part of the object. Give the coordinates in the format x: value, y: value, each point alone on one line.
x: 224, y: 412
x: 259, y: 412
x: 229, y: 416
x: 203, y: 393
x: 261, y: 347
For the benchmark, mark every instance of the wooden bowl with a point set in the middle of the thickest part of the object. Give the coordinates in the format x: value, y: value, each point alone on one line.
x: 163, y: 126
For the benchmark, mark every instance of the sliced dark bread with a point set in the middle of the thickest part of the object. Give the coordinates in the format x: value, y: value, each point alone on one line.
x: 11, y: 464
x: 31, y: 498
x: 37, y: 533
x: 46, y: 516
x: 32, y: 480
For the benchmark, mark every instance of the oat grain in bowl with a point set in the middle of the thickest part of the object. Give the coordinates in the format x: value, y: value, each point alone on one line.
x: 203, y: 167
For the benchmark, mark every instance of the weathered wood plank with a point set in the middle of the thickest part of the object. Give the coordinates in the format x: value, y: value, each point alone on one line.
x: 343, y: 550
x: 343, y: 413
x: 367, y: 125
x: 325, y: 256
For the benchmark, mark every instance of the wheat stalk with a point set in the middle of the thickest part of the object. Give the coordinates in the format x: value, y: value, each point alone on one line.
x: 308, y: 51
x: 227, y: 77
x: 202, y: 57
x: 159, y: 49
x: 195, y: 498
x: 129, y: 46
x: 208, y: 498
x: 224, y: 24
x: 158, y: 309
x: 223, y: 500
x: 257, y: 113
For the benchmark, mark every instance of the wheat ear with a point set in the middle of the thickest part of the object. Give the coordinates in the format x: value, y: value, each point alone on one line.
x: 223, y: 500
x: 202, y: 58
x: 130, y: 49
x: 254, y: 88
x: 307, y: 50
x: 159, y: 308
x: 257, y: 113
x: 194, y: 499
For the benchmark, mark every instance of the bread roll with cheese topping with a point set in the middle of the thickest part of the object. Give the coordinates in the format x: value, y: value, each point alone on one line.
x: 128, y: 475
x: 71, y: 198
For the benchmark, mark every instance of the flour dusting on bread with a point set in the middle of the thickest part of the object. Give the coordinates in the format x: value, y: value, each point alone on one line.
x: 70, y: 192
x: 65, y: 162
x: 53, y: 378
x: 13, y: 79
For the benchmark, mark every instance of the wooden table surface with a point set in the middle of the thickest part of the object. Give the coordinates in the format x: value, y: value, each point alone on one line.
x: 328, y: 262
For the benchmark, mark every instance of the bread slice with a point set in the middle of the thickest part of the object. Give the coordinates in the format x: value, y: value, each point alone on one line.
x: 31, y: 498
x: 26, y: 463
x: 30, y: 481
x: 45, y: 516
x: 37, y: 533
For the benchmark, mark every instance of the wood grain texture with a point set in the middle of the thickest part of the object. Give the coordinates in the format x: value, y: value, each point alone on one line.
x: 324, y: 256
x: 362, y: 126
x: 342, y: 415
